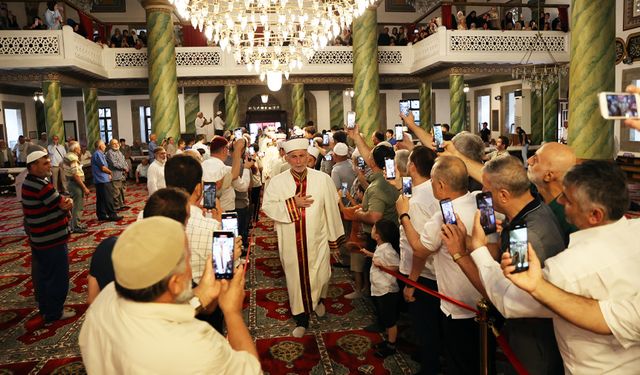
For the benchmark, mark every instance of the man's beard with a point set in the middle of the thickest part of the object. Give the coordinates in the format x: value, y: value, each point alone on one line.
x: 186, y: 293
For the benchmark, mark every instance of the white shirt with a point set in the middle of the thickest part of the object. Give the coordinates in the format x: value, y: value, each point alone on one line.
x: 451, y: 280
x: 21, y: 152
x: 198, y: 124
x: 201, y: 146
x: 600, y: 263
x: 142, y: 170
x: 422, y: 205
x: 56, y: 153
x: 218, y: 123
x: 623, y: 319
x: 155, y: 177
x: 214, y: 170
x: 200, y: 233
x: 381, y: 282
x: 120, y: 336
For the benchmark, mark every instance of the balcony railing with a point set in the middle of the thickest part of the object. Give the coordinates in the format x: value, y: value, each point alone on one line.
x: 64, y: 49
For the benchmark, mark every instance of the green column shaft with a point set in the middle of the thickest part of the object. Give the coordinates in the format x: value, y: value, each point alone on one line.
x: 90, y: 96
x: 53, y: 109
x: 550, y: 127
x: 191, y: 109
x: 297, y: 104
x: 425, y: 105
x: 591, y: 71
x: 336, y: 108
x: 366, y: 80
x: 536, y: 118
x: 231, y: 107
x: 457, y: 102
x: 163, y: 81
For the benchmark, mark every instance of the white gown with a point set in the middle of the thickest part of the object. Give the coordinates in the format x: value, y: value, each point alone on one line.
x: 305, y: 235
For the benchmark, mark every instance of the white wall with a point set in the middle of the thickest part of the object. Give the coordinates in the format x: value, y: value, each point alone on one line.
x: 323, y: 109
x: 443, y: 109
x: 395, y: 17
x: 495, y: 105
x: 29, y: 106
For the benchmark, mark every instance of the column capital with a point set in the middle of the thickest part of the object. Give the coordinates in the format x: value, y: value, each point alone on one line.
x: 158, y: 5
x: 51, y: 77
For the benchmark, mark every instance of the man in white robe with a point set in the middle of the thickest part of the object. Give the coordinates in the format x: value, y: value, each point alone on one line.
x: 304, y: 205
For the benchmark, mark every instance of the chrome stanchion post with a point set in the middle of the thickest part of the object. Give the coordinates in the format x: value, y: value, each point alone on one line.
x: 482, y: 319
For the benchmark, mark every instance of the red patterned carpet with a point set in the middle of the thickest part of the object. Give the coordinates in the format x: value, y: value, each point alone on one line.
x: 334, y: 344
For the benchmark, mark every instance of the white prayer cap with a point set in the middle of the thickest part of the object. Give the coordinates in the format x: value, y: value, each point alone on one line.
x: 355, y: 153
x: 217, y: 113
x: 280, y: 144
x: 281, y: 136
x: 35, y: 155
x: 340, y: 149
x: 298, y: 132
x: 296, y: 144
x: 384, y: 143
x: 313, y: 151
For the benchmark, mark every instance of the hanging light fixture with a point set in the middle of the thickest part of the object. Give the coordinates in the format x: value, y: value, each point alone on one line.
x: 465, y: 89
x: 37, y: 96
x: 349, y: 92
x: 271, y: 35
x: 264, y: 98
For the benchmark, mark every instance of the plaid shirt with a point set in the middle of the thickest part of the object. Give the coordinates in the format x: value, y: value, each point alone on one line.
x: 200, y: 233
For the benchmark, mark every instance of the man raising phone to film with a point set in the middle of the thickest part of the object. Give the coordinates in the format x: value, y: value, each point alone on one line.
x: 304, y: 205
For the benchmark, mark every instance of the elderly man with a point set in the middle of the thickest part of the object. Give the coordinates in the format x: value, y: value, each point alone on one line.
x: 6, y: 156
x: 601, y: 262
x: 234, y: 177
x: 153, y: 145
x: 45, y: 220
x: 20, y: 151
x: 77, y: 189
x: 155, y: 173
x: 119, y: 167
x: 57, y: 153
x: 105, y: 208
x: 304, y: 205
x: 201, y: 125
x: 144, y: 320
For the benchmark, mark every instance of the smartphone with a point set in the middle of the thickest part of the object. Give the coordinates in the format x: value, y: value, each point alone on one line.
x: 230, y: 222
x: 252, y: 151
x: 222, y: 254
x: 407, y: 184
x: 618, y: 105
x: 390, y: 168
x: 325, y: 139
x: 404, y: 107
x: 518, y: 247
x: 438, y: 139
x: 361, y: 162
x: 261, y: 154
x: 209, y: 195
x: 484, y: 201
x: 328, y: 157
x: 448, y: 215
x: 237, y: 133
x: 344, y: 188
x: 311, y: 142
x: 351, y: 120
x: 399, y: 132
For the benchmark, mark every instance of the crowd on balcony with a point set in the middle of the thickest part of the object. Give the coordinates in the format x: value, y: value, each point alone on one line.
x: 128, y: 39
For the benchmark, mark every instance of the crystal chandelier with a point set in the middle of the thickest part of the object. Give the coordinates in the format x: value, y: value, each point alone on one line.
x: 539, y: 76
x: 271, y: 37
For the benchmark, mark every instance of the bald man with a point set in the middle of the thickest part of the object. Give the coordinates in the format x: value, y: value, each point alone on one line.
x: 546, y: 171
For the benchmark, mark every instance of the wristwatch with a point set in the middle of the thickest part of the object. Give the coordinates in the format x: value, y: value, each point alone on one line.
x: 196, y: 304
x: 457, y: 256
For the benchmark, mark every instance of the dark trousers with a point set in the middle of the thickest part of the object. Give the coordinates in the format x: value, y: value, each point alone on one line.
x: 104, y: 201
x: 533, y: 341
x: 243, y: 225
x: 255, y: 202
x: 462, y: 346
x: 51, y: 280
x: 427, y: 321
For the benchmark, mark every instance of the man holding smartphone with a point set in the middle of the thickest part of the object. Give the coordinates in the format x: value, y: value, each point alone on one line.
x: 304, y: 206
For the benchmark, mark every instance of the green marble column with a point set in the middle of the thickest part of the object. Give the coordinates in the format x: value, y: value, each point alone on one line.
x: 536, y: 118
x: 161, y: 60
x: 457, y: 102
x: 366, y: 80
x: 299, y: 117
x: 232, y: 119
x: 90, y: 96
x: 336, y: 108
x: 191, y: 109
x: 592, y: 71
x: 425, y: 105
x: 550, y: 125
x: 53, y: 109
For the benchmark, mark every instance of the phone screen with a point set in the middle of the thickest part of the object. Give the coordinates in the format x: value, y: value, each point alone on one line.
x: 484, y: 201
x: 209, y: 195
x: 518, y: 248
x: 327, y: 157
x: 390, y: 168
x: 325, y: 139
x: 622, y: 105
x: 438, y: 139
x: 399, y: 132
x: 351, y: 120
x: 311, y: 142
x: 237, y: 133
x: 222, y: 254
x: 448, y: 215
x: 361, y: 162
x: 404, y: 107
x: 230, y: 223
x: 252, y: 151
x: 407, y: 184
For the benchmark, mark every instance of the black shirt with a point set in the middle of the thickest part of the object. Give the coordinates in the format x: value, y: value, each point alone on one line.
x: 101, y: 265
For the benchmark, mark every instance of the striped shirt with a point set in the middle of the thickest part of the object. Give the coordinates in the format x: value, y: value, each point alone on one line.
x: 45, y: 222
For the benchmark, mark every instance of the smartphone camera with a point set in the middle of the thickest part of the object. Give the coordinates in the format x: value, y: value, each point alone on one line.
x: 438, y: 139
x: 361, y: 164
x: 230, y: 222
x: 448, y: 215
x: 407, y: 184
x: 328, y: 157
x: 518, y: 248
x: 344, y: 187
x: 390, y: 169
x: 484, y: 201
x: 351, y: 120
x: 618, y: 106
x: 404, y: 107
x: 222, y: 254
x: 252, y: 151
x: 325, y: 139
x: 209, y: 195
x: 399, y: 132
x: 237, y: 133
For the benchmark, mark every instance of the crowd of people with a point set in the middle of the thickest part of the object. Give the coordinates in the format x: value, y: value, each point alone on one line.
x: 335, y: 193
